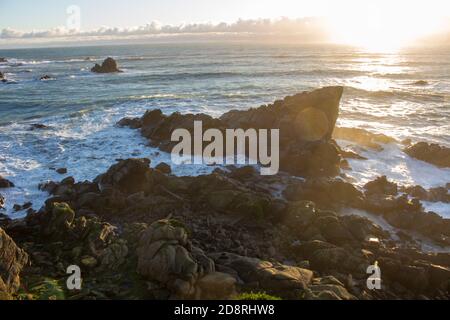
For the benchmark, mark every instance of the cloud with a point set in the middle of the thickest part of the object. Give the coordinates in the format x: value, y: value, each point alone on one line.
x: 285, y: 26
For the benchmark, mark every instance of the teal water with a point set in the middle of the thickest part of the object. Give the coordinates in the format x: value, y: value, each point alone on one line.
x: 81, y: 108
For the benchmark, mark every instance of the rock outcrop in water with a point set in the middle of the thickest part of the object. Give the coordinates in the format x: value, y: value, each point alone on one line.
x: 431, y: 153
x: 306, y: 122
x: 139, y: 232
x: 3, y: 60
x: 108, y: 66
x: 5, y: 183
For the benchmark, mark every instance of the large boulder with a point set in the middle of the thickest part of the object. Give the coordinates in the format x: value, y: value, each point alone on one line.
x: 166, y: 257
x: 431, y: 153
x: 281, y: 280
x: 108, y: 66
x: 12, y: 260
x: 129, y: 176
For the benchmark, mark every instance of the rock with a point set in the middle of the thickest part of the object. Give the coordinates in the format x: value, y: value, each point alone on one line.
x: 61, y: 170
x: 12, y: 260
x: 38, y: 126
x: 2, y: 201
x: 129, y: 176
x: 381, y: 186
x: 324, y: 256
x: 216, y: 286
x: 2, y: 76
x: 328, y: 288
x: 115, y: 255
x: 58, y: 221
x: 133, y: 123
x: 284, y: 281
x: 45, y: 77
x: 306, y: 123
x: 25, y: 206
x: 431, y: 153
x: 108, y: 66
x: 412, y: 277
x: 165, y: 256
x: 421, y: 83
x: 5, y: 183
x: 164, y: 168
x: 362, y: 137
x: 3, y: 60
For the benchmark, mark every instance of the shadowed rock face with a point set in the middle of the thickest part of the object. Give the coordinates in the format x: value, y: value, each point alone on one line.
x: 108, y: 66
x: 431, y: 153
x: 306, y: 122
x: 12, y: 260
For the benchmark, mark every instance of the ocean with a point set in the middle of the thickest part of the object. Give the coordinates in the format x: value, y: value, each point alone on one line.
x: 81, y: 108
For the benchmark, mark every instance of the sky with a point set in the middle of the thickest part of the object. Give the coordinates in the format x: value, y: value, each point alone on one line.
x: 348, y: 20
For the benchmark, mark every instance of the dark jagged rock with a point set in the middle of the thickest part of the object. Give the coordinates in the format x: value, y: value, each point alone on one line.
x: 12, y: 260
x: 133, y: 123
x: 3, y: 60
x: 381, y: 186
x: 38, y: 126
x: 5, y: 183
x: 108, y: 66
x: 2, y: 201
x: 431, y: 153
x: 306, y: 122
x: 439, y: 194
x: 46, y: 77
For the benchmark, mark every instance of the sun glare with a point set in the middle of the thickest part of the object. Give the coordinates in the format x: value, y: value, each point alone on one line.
x: 385, y: 26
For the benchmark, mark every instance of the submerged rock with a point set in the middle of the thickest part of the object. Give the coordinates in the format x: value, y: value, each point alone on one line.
x: 431, y: 153
x: 108, y: 66
x: 421, y: 83
x: 46, y: 77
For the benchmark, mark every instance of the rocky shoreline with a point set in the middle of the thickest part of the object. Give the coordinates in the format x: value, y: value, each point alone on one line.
x: 139, y: 232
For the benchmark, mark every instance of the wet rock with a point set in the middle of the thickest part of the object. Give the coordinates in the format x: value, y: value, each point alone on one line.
x: 3, y: 60
x: 431, y: 153
x: 2, y: 201
x: 5, y: 183
x: 362, y: 137
x: 381, y: 186
x: 164, y: 168
x: 306, y: 122
x: 129, y: 176
x: 61, y: 170
x: 284, y: 281
x: 108, y: 66
x: 45, y: 77
x: 421, y: 83
x: 12, y: 261
x: 133, y: 123
x: 38, y: 126
x: 25, y: 206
